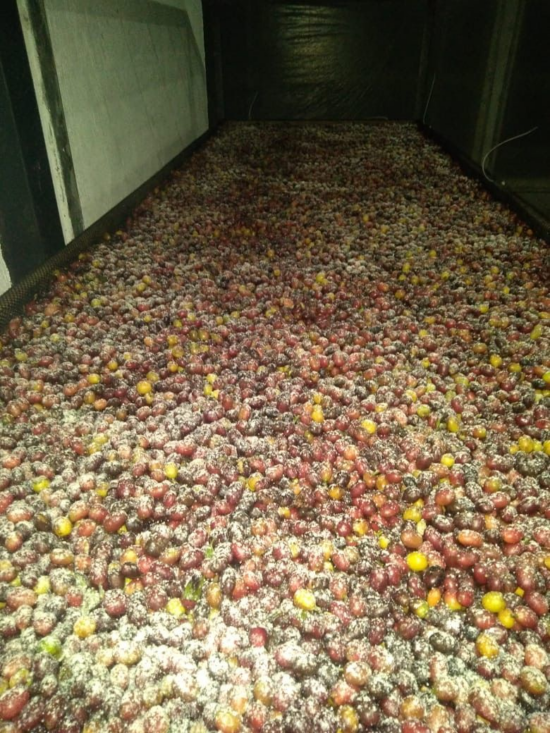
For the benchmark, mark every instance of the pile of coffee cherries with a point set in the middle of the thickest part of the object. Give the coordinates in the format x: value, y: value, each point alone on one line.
x: 276, y: 457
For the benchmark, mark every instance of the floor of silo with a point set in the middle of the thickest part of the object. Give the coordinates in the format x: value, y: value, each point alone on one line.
x: 276, y: 457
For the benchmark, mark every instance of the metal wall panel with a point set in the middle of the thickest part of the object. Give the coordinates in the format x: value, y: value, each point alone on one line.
x: 322, y: 60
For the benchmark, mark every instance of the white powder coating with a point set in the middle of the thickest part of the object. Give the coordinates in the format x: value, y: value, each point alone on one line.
x: 283, y: 531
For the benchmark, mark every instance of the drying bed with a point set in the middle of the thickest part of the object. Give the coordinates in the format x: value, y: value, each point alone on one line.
x: 276, y: 456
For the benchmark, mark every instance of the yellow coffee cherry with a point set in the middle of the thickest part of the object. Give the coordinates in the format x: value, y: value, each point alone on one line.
x: 40, y: 484
x: 369, y: 426
x: 42, y: 585
x: 493, y: 602
x: 294, y: 547
x: 413, y: 513
x: 421, y: 608
x: 452, y: 602
x: 228, y: 721
x: 62, y: 526
x: 84, y: 626
x: 304, y: 599
x: 317, y: 414
x: 349, y: 719
x: 417, y: 561
x: 433, y: 597
x: 506, y: 618
x: 526, y: 444
x: 487, y: 646
x: 360, y: 527
x: 253, y: 480
x: 171, y: 471
x: 144, y: 387
x: 453, y: 425
x: 480, y: 431
x: 22, y: 677
x: 175, y: 607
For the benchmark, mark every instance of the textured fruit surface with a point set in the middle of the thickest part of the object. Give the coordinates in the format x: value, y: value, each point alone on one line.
x: 276, y: 456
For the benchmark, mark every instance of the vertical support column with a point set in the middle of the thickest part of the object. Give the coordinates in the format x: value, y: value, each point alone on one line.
x: 500, y: 64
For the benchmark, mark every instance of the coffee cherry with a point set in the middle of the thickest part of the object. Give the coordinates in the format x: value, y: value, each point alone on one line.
x: 417, y: 561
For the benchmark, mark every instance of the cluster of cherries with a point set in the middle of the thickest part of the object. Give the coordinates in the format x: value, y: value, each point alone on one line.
x: 276, y: 457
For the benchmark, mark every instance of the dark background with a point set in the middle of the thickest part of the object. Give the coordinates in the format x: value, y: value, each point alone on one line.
x: 322, y: 60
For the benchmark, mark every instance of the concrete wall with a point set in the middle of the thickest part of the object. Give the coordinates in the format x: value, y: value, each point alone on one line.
x: 132, y: 82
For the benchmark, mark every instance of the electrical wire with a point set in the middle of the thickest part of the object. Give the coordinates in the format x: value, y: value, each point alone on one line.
x: 508, y: 140
x: 429, y: 100
x: 252, y: 105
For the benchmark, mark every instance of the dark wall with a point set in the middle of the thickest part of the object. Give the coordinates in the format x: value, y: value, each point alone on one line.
x: 322, y: 60
x: 461, y: 40
x: 529, y: 100
x: 214, y: 68
x: 18, y: 223
x: 30, y: 230
x: 488, y: 81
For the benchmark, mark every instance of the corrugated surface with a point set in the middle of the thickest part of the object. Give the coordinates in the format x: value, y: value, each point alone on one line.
x: 302, y: 61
